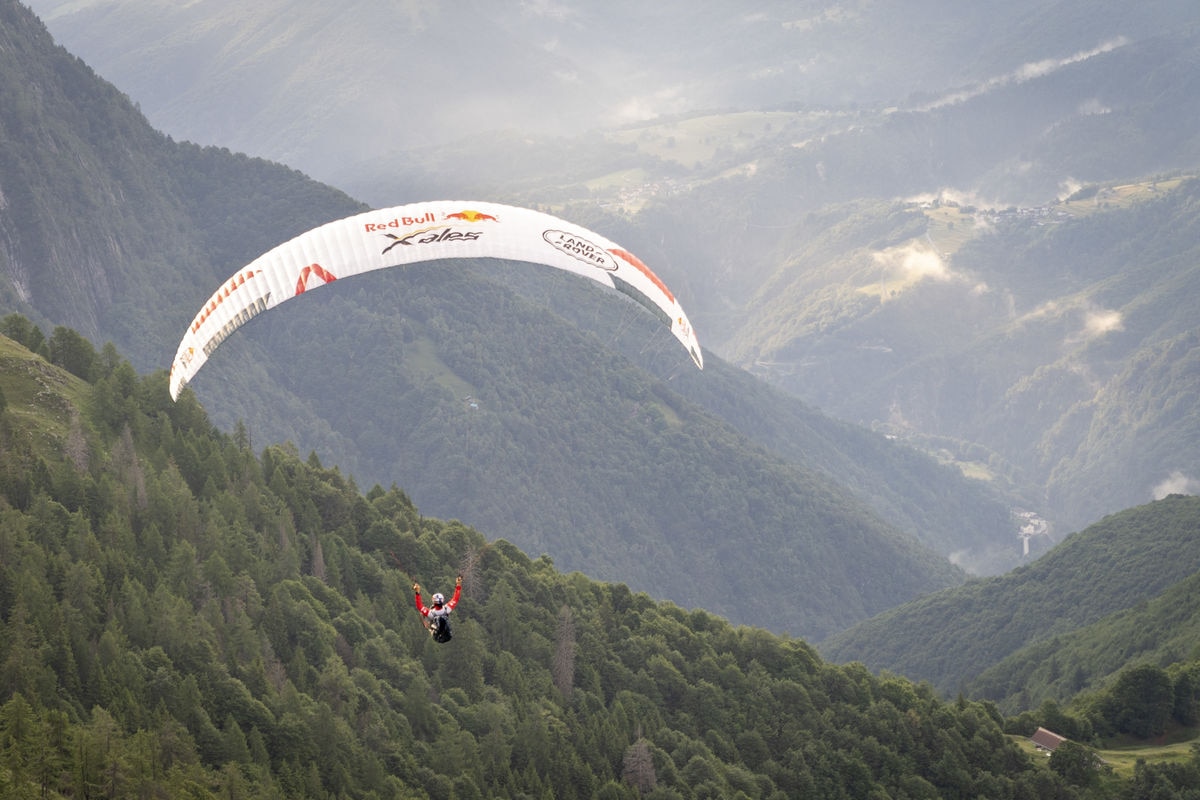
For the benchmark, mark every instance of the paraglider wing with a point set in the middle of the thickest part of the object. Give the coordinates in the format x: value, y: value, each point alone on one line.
x: 409, y: 234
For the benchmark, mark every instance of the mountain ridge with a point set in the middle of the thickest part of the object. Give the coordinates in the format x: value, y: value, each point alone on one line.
x: 972, y: 527
x: 197, y: 207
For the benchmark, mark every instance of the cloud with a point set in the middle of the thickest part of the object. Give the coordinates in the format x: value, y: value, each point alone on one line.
x: 1176, y: 483
x: 663, y: 102
x: 1092, y: 107
x: 547, y: 8
x: 1099, y: 322
x: 948, y: 195
x: 834, y: 14
x: 1095, y: 322
x: 1068, y: 187
x: 914, y: 263
x: 1026, y: 72
x: 1047, y: 310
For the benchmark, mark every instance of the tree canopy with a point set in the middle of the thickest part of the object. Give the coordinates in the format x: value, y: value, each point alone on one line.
x: 184, y: 617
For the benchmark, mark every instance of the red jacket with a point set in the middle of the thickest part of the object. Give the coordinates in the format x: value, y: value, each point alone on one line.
x: 444, y: 610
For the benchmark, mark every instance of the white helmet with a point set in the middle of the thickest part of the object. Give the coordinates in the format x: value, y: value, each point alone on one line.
x: 438, y: 598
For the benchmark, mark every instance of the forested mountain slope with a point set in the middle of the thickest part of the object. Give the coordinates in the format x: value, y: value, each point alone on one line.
x: 1116, y: 565
x: 555, y: 459
x: 182, y: 617
x: 1159, y: 632
x: 760, y: 173
x: 106, y: 225
x: 580, y: 456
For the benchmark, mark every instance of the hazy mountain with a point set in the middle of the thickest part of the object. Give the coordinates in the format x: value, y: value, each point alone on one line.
x: 754, y: 156
x: 98, y: 233
x: 1040, y: 631
x: 324, y: 89
x: 1000, y: 335
x: 1053, y: 346
x: 568, y: 448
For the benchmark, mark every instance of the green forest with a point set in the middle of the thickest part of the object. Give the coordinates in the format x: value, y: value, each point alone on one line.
x: 183, y: 617
x: 1121, y: 589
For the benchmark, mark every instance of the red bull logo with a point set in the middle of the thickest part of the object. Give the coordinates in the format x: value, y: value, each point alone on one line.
x: 471, y: 216
x: 400, y: 222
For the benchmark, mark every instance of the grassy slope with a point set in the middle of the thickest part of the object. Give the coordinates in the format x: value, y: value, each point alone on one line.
x: 41, y: 400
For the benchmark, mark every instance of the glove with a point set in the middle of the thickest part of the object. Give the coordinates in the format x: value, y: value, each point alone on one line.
x: 458, y: 581
x: 417, y: 588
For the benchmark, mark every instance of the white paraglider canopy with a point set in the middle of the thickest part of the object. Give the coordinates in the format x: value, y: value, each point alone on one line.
x: 414, y: 233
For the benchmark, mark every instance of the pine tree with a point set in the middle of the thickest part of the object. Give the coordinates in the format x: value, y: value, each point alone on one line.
x: 637, y: 767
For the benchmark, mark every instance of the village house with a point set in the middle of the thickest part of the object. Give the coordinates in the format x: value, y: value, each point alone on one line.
x: 1047, y: 740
